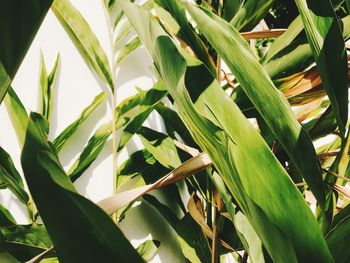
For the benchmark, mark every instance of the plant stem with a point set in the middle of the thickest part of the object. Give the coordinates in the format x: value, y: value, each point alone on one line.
x: 113, y: 89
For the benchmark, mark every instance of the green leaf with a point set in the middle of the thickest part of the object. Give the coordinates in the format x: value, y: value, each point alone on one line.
x: 231, y: 8
x: 222, y: 131
x: 46, y: 87
x: 193, y: 243
x: 84, y: 39
x: 6, y: 219
x: 259, y: 88
x: 132, y: 45
x: 24, y: 241
x: 71, y: 129
x: 186, y: 32
x: 10, y: 178
x: 160, y: 146
x: 19, y: 22
x: 148, y: 249
x: 338, y: 239
x: 327, y: 45
x: 90, y: 151
x: 18, y: 115
x: 134, y: 111
x: 87, y: 228
x: 250, y: 14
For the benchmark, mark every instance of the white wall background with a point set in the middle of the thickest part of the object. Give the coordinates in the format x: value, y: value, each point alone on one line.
x: 75, y: 90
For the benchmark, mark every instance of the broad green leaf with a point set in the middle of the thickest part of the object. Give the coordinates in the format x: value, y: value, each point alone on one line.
x: 193, y: 243
x: 84, y: 39
x: 90, y: 152
x: 10, y: 178
x: 259, y: 88
x: 225, y: 134
x: 327, y: 45
x: 69, y: 131
x: 186, y: 32
x: 250, y: 14
x: 160, y: 146
x: 19, y: 22
x: 148, y: 249
x: 87, y: 228
x: 128, y: 48
x: 24, y: 241
x: 46, y: 87
x: 18, y: 114
x: 338, y: 239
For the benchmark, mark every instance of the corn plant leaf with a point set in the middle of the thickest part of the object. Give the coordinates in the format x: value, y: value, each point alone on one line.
x: 46, y: 87
x: 160, y: 146
x: 259, y: 88
x: 225, y: 134
x: 83, y: 38
x: 17, y: 113
x: 250, y: 14
x: 193, y: 243
x: 148, y: 249
x: 337, y: 240
x: 87, y: 228
x: 133, y: 111
x: 24, y: 241
x: 19, y: 22
x: 91, y: 151
x: 10, y: 177
x: 186, y: 32
x: 63, y: 137
x: 327, y: 45
x: 230, y: 8
x: 132, y: 45
x: 6, y: 218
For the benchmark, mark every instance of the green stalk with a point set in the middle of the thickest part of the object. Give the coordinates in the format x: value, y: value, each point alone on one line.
x: 113, y: 89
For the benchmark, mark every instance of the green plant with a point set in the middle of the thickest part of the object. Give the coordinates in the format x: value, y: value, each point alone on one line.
x: 239, y: 134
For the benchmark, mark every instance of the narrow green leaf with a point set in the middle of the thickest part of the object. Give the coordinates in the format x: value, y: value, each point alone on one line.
x: 250, y: 14
x: 46, y: 87
x: 194, y: 244
x: 10, y: 177
x: 259, y: 88
x: 18, y: 114
x: 71, y: 129
x: 231, y: 8
x: 148, y: 249
x: 134, y: 111
x: 160, y: 146
x: 186, y: 32
x: 132, y: 45
x: 87, y: 228
x: 19, y: 22
x: 327, y: 45
x: 83, y: 38
x: 6, y: 219
x: 8, y: 258
x: 90, y: 151
x: 338, y: 240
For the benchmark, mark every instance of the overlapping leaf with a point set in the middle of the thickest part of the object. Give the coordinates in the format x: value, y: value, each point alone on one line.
x: 221, y: 130
x: 259, y: 88
x: 327, y: 45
